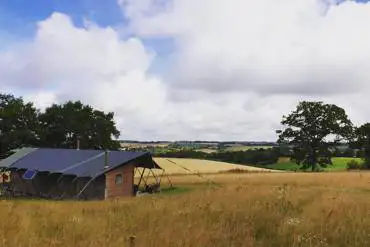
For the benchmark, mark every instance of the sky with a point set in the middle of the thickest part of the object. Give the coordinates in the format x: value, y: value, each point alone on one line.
x: 225, y: 70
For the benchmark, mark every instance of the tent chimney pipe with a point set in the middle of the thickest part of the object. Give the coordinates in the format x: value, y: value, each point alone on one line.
x: 78, y: 143
x: 106, y: 158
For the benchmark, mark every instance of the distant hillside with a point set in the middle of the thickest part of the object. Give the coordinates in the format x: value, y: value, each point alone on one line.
x: 225, y: 143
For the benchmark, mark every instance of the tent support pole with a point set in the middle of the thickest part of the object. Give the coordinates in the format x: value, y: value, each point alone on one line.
x: 155, y: 177
x: 141, y: 177
x: 168, y: 178
x: 59, y: 192
x: 48, y: 194
x: 85, y: 187
x: 71, y: 184
x: 146, y: 179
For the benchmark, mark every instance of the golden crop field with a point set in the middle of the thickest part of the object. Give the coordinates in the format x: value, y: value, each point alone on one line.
x: 253, y: 209
x: 194, y: 167
x: 189, y: 166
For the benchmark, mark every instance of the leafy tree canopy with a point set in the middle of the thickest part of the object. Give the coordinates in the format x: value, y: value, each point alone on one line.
x: 21, y: 124
x: 309, y: 128
x: 62, y: 125
x: 18, y: 124
x: 362, y: 141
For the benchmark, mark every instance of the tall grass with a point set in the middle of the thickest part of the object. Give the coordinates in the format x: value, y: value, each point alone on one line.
x: 268, y: 209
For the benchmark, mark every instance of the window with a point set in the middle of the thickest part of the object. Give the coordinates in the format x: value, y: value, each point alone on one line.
x: 118, y: 179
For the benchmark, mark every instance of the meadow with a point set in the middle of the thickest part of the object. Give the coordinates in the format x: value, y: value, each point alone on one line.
x: 251, y: 209
x: 236, y: 148
x: 339, y: 164
x: 245, y: 148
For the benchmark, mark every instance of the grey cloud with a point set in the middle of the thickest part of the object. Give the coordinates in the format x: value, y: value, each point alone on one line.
x: 320, y: 82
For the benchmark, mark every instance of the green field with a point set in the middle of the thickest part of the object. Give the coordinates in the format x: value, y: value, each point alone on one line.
x: 339, y: 164
x: 207, y: 150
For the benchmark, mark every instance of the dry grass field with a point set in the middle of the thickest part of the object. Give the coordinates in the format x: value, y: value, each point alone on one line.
x: 253, y: 209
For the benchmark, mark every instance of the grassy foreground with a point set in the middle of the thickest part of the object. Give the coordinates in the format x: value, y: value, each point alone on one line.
x: 269, y: 209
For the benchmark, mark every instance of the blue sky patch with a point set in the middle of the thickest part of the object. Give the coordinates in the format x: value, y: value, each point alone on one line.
x: 20, y: 16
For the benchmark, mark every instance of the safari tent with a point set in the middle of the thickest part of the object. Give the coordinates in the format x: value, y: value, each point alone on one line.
x: 76, y: 174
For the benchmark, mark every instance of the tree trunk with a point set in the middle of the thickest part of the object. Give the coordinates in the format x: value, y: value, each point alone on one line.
x: 314, y: 159
x: 367, y: 155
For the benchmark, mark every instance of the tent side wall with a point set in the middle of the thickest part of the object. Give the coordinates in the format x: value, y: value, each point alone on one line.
x: 42, y: 185
x: 55, y: 186
x: 94, y: 191
x: 120, y: 181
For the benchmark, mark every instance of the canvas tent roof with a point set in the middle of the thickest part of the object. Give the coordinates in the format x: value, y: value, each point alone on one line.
x: 81, y: 163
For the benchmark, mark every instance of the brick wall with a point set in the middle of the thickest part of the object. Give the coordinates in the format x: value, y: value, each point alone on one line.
x: 125, y: 188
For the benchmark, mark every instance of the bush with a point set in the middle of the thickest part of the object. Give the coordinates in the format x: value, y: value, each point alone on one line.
x: 354, y: 165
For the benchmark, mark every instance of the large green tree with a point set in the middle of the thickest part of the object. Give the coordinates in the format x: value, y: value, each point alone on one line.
x: 311, y: 128
x: 362, y: 142
x: 62, y: 125
x: 18, y: 124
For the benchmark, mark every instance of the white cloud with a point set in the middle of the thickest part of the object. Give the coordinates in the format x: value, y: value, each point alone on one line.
x: 41, y: 99
x: 263, y: 46
x: 92, y: 64
x: 278, y: 51
x: 239, y: 65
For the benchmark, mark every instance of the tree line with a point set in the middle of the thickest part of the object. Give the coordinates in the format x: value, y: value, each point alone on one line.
x: 59, y: 126
x: 310, y: 135
x: 248, y: 157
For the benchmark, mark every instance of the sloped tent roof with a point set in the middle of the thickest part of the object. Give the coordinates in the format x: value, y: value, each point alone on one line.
x: 81, y: 163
